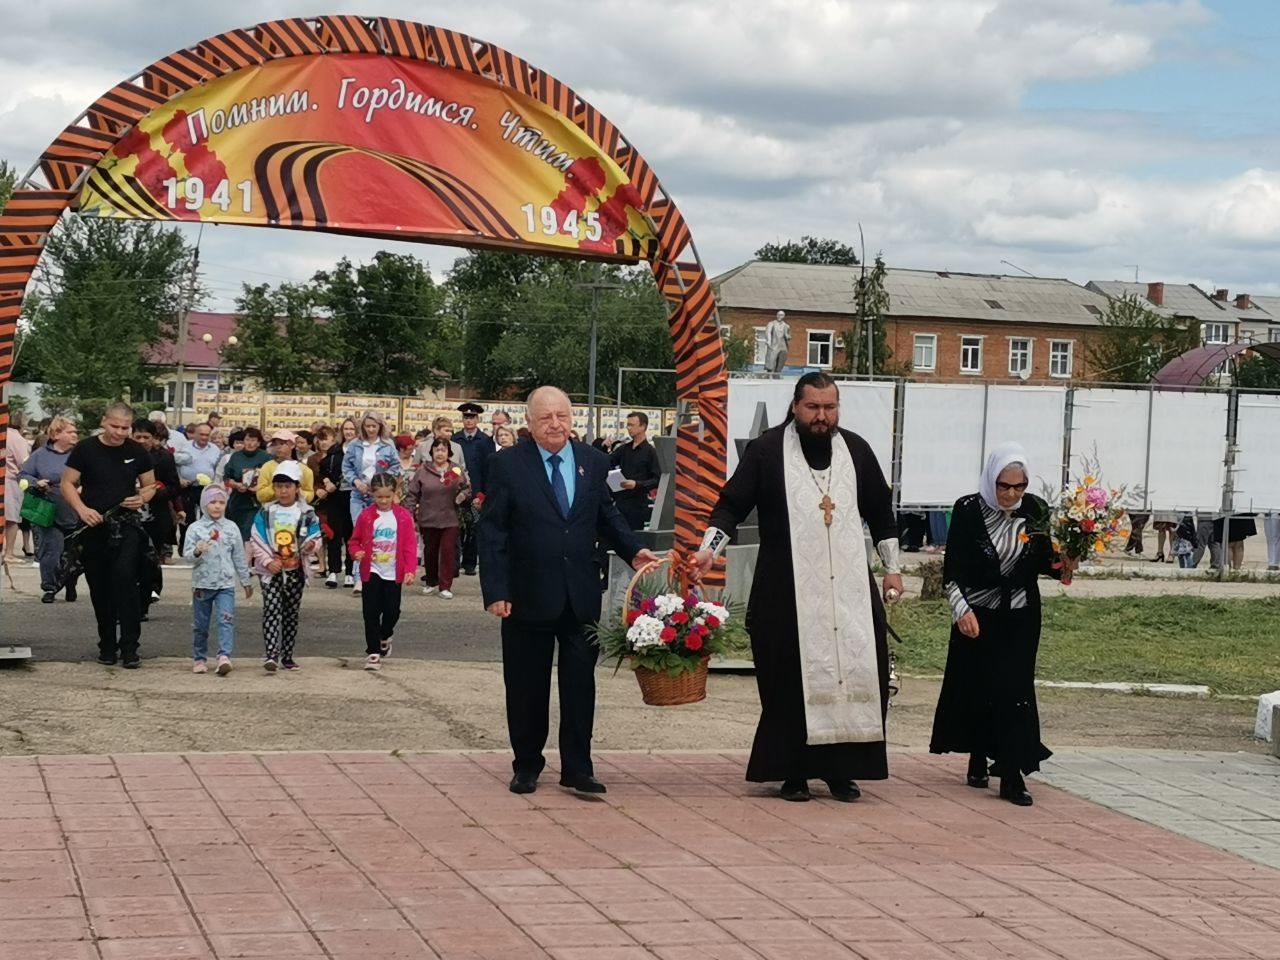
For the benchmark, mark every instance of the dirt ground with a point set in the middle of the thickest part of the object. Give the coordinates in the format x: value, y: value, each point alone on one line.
x: 414, y: 705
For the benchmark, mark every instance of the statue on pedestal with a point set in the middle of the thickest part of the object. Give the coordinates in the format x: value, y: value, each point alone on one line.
x: 777, y: 340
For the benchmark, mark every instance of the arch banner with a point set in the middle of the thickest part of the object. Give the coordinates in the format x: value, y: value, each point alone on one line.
x: 374, y: 145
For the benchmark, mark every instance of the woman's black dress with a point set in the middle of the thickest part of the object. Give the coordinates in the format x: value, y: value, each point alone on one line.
x: 988, y: 701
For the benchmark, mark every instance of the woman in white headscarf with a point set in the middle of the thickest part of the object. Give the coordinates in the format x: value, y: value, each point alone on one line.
x: 997, y: 547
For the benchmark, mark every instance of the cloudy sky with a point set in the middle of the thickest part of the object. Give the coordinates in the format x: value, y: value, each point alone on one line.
x: 1085, y: 140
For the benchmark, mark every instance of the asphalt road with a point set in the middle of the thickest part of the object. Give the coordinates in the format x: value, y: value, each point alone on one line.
x: 430, y: 628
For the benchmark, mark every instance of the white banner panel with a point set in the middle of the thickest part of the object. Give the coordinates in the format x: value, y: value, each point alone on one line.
x: 1188, y: 443
x: 866, y: 408
x: 941, y: 443
x: 1033, y: 418
x: 1257, y: 478
x: 1110, y: 427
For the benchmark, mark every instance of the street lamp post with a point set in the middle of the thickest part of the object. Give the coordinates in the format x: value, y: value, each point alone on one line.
x: 231, y: 341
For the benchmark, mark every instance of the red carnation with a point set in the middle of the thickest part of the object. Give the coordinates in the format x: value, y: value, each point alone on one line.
x: 668, y: 634
x: 1087, y: 526
x: 632, y: 617
x: 680, y: 617
x: 713, y: 622
x: 693, y: 641
x: 478, y: 499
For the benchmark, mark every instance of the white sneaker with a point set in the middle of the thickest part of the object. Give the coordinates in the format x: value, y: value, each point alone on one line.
x: 446, y: 594
x: 331, y: 581
x: 349, y: 581
x: 357, y: 589
x: 428, y: 591
x: 373, y: 662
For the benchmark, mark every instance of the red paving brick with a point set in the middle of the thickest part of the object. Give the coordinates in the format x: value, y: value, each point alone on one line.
x: 370, y: 856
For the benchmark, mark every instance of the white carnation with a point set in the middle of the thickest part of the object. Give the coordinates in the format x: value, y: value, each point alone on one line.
x: 645, y: 632
x: 708, y: 609
x: 667, y: 604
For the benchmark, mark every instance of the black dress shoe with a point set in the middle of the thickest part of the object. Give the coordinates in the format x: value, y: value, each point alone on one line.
x: 583, y: 784
x: 131, y: 663
x: 1015, y: 793
x: 106, y: 661
x: 70, y: 593
x: 981, y: 782
x: 523, y: 783
x: 846, y: 791
x: 469, y: 571
x: 47, y: 598
x: 977, y: 775
x: 797, y: 791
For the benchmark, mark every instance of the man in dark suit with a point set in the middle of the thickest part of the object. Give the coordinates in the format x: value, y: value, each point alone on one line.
x: 547, y: 503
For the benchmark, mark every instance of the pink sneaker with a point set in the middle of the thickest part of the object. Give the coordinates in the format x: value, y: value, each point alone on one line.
x: 200, y: 667
x: 224, y: 666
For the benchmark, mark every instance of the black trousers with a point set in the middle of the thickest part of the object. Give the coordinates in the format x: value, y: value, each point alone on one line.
x: 338, y: 513
x: 112, y: 557
x: 380, y: 603
x: 189, y: 504
x: 527, y: 651
x: 469, y: 547
x: 635, y: 510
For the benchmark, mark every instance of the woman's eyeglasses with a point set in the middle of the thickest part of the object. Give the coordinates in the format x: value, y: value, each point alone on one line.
x: 1010, y: 487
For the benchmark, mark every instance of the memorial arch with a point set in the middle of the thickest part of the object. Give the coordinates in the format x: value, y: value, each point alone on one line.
x: 384, y: 128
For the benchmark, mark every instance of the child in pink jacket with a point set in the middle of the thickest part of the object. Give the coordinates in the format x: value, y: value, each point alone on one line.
x: 385, y: 545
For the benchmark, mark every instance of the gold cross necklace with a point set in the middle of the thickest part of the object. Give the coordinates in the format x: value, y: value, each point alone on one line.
x: 826, y: 504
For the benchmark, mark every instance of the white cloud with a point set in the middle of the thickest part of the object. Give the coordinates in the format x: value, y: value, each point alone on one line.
x: 783, y: 117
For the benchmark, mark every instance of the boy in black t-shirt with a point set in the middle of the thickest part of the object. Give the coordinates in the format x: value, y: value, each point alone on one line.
x: 107, y: 480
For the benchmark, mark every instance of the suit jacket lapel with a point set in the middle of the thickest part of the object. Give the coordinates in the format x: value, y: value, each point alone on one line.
x: 583, y: 476
x: 534, y: 460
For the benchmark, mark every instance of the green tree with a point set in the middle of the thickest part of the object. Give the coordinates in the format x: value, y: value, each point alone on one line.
x: 108, y: 291
x: 527, y: 322
x: 1133, y: 342
x: 817, y: 250
x: 870, y: 309
x: 386, y: 320
x: 8, y: 182
x: 1257, y: 372
x: 282, y: 341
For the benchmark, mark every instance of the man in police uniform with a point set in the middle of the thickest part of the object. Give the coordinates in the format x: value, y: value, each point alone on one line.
x: 477, y: 446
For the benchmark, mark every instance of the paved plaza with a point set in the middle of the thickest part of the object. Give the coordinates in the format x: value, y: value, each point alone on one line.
x: 369, y: 856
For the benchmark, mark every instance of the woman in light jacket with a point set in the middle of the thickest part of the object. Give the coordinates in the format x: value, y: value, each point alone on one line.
x: 368, y: 454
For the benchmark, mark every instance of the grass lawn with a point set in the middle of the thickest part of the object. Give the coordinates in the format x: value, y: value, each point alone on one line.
x: 1232, y: 645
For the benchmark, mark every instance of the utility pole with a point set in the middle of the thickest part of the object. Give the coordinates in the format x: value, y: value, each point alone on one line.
x: 179, y: 399
x: 596, y: 285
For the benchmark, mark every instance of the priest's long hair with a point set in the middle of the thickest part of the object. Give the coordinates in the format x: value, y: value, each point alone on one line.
x: 816, y: 379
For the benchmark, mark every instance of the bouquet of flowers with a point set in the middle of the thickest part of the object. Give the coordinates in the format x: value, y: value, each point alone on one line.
x: 667, y: 633
x: 1086, y: 518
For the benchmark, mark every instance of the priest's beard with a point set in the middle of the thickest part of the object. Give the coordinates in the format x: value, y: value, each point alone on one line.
x: 815, y: 443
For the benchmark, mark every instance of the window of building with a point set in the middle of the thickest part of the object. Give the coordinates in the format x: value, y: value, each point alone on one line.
x: 970, y: 354
x: 994, y: 304
x: 1019, y: 356
x: 1060, y: 357
x: 762, y: 345
x: 820, y: 346
x: 1273, y: 335
x: 925, y: 354
x: 1217, y: 333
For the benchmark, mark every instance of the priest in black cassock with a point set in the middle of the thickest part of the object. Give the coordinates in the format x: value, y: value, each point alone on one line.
x: 816, y: 621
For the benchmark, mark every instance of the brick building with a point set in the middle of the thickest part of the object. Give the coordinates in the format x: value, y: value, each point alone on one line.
x: 951, y: 327
x: 1221, y: 317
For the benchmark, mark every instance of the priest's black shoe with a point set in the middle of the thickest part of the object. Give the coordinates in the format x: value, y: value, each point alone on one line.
x: 846, y: 791
x: 977, y: 775
x: 797, y: 791
x: 523, y: 783
x: 1015, y: 793
x: 48, y: 597
x: 583, y: 784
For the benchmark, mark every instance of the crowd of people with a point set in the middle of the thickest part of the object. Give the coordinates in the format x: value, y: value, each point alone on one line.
x: 347, y: 503
x: 530, y: 510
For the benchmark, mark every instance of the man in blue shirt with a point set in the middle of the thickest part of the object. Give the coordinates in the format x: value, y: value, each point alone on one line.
x: 546, y: 505
x: 203, y: 461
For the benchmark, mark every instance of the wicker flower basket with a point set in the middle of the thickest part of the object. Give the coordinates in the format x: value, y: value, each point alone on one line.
x: 660, y: 689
